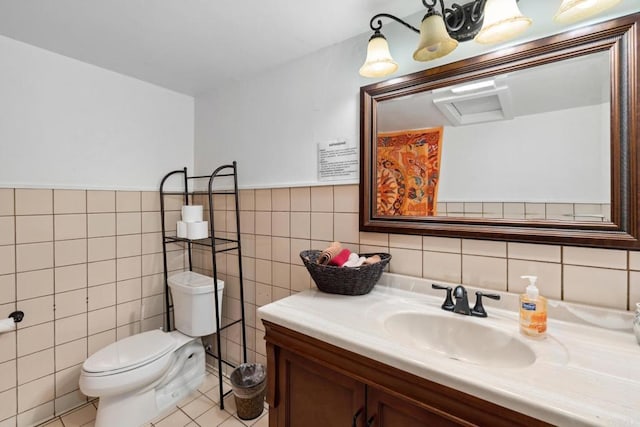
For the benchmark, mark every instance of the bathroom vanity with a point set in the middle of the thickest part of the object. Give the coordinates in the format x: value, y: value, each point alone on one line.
x: 394, y: 358
x: 312, y: 383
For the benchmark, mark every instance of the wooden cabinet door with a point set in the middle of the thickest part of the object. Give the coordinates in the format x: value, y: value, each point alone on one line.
x: 312, y: 395
x: 386, y: 410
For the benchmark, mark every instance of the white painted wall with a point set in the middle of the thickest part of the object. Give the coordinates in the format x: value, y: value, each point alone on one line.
x: 68, y: 124
x: 271, y: 124
x: 529, y: 159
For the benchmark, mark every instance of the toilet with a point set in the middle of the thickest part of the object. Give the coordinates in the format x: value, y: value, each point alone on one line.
x: 144, y: 375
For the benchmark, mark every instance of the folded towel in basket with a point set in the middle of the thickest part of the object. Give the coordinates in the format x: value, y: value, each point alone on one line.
x: 329, y: 253
x: 341, y: 258
x: 354, y: 260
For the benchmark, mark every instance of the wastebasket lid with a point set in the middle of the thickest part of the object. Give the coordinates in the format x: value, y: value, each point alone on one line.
x: 248, y: 375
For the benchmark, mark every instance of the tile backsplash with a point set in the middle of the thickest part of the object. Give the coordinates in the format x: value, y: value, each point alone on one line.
x: 86, y: 267
x: 276, y: 224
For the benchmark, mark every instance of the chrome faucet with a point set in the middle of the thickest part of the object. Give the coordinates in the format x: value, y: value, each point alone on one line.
x: 461, y: 306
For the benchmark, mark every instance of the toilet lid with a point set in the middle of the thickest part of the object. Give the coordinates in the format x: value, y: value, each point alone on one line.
x: 130, y: 352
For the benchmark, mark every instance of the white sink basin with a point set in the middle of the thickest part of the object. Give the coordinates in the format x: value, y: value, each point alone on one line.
x: 461, y: 338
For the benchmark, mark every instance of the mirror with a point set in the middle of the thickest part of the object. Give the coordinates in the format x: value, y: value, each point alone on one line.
x: 528, y: 144
x: 536, y: 143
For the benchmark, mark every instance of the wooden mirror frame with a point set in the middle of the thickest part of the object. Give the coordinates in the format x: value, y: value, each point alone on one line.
x: 618, y: 37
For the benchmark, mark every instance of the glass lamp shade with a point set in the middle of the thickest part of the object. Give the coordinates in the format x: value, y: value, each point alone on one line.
x: 435, y: 41
x: 576, y: 10
x: 379, y: 62
x: 502, y: 21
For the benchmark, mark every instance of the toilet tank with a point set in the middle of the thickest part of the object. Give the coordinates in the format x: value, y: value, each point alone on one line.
x: 194, y: 303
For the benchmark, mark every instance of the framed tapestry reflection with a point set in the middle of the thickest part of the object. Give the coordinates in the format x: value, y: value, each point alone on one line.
x: 407, y: 172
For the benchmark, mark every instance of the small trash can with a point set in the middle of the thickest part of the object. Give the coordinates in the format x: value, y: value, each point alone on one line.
x: 249, y: 385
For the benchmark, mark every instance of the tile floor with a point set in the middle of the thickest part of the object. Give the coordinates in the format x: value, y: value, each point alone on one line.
x: 198, y: 409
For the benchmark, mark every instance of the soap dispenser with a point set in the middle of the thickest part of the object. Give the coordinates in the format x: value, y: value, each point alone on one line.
x: 533, y: 310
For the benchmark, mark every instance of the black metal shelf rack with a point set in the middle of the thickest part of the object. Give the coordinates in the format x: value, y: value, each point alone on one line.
x: 217, y: 245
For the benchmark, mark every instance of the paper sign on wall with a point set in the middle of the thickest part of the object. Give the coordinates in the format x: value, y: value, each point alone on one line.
x: 337, y: 160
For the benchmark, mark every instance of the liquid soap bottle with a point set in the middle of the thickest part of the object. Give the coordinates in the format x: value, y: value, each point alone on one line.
x: 533, y: 310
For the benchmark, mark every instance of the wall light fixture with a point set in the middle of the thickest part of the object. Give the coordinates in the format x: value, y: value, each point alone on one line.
x: 485, y: 21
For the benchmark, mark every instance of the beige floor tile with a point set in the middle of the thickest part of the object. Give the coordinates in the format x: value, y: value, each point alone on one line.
x: 198, y: 406
x: 232, y: 422
x: 175, y: 419
x: 213, y: 417
x: 262, y: 422
x: 54, y: 423
x: 80, y: 417
x: 214, y: 395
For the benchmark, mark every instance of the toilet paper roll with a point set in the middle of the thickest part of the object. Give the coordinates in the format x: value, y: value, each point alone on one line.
x: 192, y: 213
x: 7, y: 325
x: 198, y: 230
x: 181, y: 229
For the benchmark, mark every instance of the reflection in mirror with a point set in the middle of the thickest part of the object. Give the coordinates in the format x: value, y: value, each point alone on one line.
x: 532, y: 144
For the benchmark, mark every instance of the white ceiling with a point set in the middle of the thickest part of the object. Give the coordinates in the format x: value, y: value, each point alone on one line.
x: 192, y: 46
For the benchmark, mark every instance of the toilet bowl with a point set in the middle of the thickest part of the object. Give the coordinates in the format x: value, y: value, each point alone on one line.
x: 144, y: 375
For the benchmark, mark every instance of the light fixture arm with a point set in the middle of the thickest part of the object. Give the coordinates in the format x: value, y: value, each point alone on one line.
x: 462, y: 21
x: 458, y: 16
x: 431, y: 4
x: 378, y: 27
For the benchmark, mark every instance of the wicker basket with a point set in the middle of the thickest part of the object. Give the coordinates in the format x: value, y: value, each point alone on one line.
x: 344, y: 280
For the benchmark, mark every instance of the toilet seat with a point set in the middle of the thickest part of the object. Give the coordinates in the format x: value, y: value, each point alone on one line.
x: 129, y: 353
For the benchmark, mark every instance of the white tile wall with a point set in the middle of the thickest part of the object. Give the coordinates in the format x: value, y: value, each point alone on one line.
x: 72, y: 261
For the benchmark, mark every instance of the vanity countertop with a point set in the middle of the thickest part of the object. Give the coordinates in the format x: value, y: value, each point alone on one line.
x: 582, y: 375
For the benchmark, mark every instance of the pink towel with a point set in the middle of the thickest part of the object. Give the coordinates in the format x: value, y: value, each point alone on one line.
x: 341, y: 258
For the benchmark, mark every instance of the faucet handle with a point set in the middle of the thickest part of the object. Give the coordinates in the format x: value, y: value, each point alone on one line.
x: 478, y: 309
x: 448, y: 302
